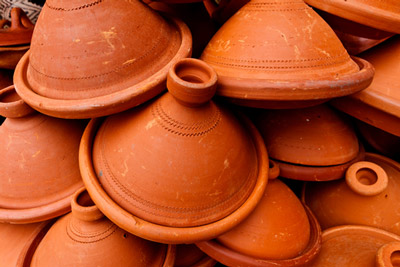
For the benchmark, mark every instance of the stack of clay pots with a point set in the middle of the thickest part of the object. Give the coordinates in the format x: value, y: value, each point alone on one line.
x: 272, y: 146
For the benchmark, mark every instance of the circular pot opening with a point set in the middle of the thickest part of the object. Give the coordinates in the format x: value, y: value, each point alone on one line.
x: 9, y: 97
x: 367, y: 176
x: 192, y: 72
x: 84, y: 200
x: 395, y: 258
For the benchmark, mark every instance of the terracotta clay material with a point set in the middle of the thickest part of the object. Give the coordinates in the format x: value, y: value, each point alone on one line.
x: 379, y: 104
x: 351, y: 245
x: 98, y: 65
x: 211, y: 167
x: 315, y: 143
x: 38, y: 162
x: 18, y: 31
x: 388, y: 255
x: 383, y: 15
x: 368, y: 196
x: 191, y: 256
x: 279, y: 232
x: 86, y: 238
x: 281, y: 54
x: 19, y: 242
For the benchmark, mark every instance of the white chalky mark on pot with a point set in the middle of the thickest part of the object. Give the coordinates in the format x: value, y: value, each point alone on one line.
x: 129, y: 61
x: 106, y: 62
x: 37, y: 153
x: 77, y: 40
x: 323, y: 52
x: 226, y: 164
x: 126, y: 168
x: 109, y: 35
x: 150, y: 124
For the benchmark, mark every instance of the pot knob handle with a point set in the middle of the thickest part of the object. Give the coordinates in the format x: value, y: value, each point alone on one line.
x: 366, y: 178
x: 388, y: 255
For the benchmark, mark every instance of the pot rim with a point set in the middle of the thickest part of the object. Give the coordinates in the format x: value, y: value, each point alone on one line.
x: 317, y: 173
x: 106, y: 104
x: 160, y: 233
x: 361, y: 13
x: 356, y: 229
x: 251, y: 91
x: 221, y: 253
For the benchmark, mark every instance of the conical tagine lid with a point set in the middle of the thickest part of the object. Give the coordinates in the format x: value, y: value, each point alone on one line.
x: 94, y: 58
x: 368, y: 196
x: 379, y: 104
x: 353, y: 245
x: 38, y: 162
x: 382, y: 14
x: 277, y: 54
x: 279, y: 232
x: 181, y: 163
x: 86, y: 237
x: 303, y: 140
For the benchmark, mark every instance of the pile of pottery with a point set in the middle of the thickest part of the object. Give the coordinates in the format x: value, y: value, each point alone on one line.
x: 273, y: 146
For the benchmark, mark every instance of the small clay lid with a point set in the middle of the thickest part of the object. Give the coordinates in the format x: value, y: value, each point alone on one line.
x: 281, y: 54
x: 18, y: 31
x: 368, y: 196
x: 86, y: 237
x: 181, y: 162
x: 279, y: 232
x: 351, y: 245
x: 379, y: 104
x: 38, y: 160
x: 95, y: 58
x: 309, y: 138
x: 18, y: 242
x: 383, y: 14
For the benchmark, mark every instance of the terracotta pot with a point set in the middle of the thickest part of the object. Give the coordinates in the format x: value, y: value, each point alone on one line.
x: 18, y: 31
x: 86, y: 238
x: 383, y: 15
x: 281, y: 54
x: 314, y: 143
x: 191, y: 256
x: 188, y: 168
x: 388, y: 255
x: 103, y: 67
x: 379, y: 104
x: 368, y: 196
x: 279, y: 232
x: 38, y: 160
x: 385, y: 143
x: 350, y: 245
x: 19, y: 242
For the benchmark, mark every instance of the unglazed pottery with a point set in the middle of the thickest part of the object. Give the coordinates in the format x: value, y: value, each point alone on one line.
x: 351, y: 245
x: 191, y: 256
x: 86, y: 237
x: 10, y: 56
x: 314, y: 144
x: 18, y: 31
x: 281, y: 54
x: 18, y: 242
x: 379, y: 104
x: 180, y: 169
x: 279, y: 232
x: 368, y: 196
x: 111, y: 56
x: 383, y: 14
x: 38, y: 162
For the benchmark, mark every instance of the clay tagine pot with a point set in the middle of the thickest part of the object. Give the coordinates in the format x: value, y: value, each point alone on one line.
x: 86, y: 237
x: 191, y: 256
x: 15, y: 36
x: 281, y: 54
x: 379, y: 104
x: 351, y: 245
x: 38, y: 162
x: 18, y: 242
x: 368, y: 196
x: 180, y: 169
x: 383, y: 15
x: 279, y: 232
x: 312, y: 144
x: 90, y: 60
